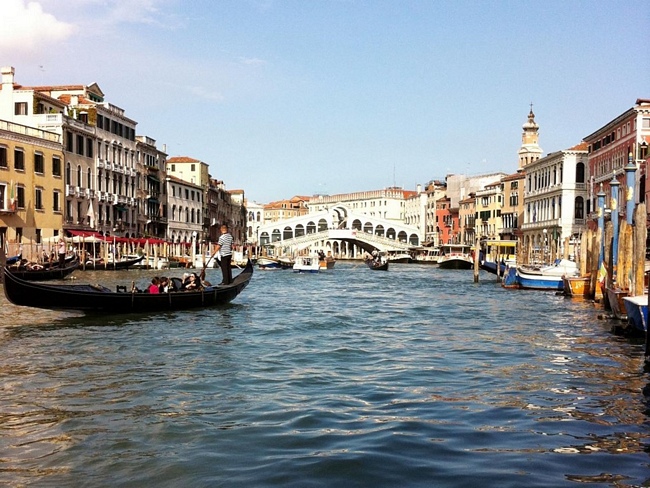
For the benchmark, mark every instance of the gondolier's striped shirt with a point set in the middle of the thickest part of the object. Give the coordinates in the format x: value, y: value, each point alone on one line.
x: 225, y: 241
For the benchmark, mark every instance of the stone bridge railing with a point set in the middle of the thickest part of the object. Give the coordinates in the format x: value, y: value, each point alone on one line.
x: 371, y: 240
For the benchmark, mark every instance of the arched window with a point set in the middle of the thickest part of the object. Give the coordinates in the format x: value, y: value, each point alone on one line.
x: 580, y: 173
x: 579, y: 208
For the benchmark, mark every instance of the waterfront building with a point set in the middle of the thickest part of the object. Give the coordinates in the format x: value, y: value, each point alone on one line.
x: 435, y: 190
x: 225, y: 207
x: 185, y: 200
x: 467, y: 219
x: 31, y: 189
x: 512, y: 187
x: 554, y: 203
x: 447, y: 224
x: 387, y: 204
x: 195, y: 172
x: 415, y: 210
x: 254, y: 219
x: 277, y: 211
x: 489, y: 202
x: 151, y: 188
x: 622, y: 140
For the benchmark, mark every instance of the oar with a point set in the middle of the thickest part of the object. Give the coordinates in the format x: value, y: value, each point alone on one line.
x: 205, y: 265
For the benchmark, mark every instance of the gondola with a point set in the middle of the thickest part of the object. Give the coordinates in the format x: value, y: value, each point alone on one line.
x: 44, y: 273
x: 377, y: 266
x: 101, y: 265
x: 99, y: 299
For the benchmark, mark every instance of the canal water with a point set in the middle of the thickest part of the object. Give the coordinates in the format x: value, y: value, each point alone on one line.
x: 415, y: 377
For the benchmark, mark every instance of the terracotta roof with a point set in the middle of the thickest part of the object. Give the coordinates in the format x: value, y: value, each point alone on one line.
x: 579, y: 147
x: 520, y: 175
x: 174, y: 179
x: 182, y: 159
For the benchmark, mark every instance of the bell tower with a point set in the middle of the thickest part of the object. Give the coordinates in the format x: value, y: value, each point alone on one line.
x: 530, y: 150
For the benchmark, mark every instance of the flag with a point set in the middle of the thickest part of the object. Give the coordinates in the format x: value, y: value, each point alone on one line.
x: 12, y: 197
x: 91, y: 214
x: 602, y: 274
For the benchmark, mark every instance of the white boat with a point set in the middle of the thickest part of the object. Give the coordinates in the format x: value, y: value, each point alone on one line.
x: 456, y: 256
x: 399, y: 257
x: 546, y: 277
x: 426, y: 255
x: 306, y: 264
x: 152, y: 262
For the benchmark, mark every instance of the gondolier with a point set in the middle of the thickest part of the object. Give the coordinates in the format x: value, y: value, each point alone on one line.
x: 224, y: 248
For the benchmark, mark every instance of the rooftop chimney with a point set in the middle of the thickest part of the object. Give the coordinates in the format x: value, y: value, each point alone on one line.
x: 8, y: 75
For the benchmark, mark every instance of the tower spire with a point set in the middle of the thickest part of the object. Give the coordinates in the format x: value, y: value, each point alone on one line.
x: 530, y: 150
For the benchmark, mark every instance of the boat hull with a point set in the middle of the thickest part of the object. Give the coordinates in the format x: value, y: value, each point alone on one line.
x: 98, y: 299
x: 577, y: 286
x: 377, y: 266
x: 533, y: 281
x: 54, y: 272
x: 455, y: 263
x: 636, y: 309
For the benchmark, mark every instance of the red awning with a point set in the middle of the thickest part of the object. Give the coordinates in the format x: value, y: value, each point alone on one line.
x: 86, y: 233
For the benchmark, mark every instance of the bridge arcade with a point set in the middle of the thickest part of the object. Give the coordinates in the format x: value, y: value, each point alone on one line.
x: 347, y: 234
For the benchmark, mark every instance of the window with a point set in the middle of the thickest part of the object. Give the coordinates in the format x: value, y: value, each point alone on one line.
x: 580, y: 173
x: 56, y: 201
x: 3, y: 194
x: 38, y: 204
x: 19, y: 159
x: 89, y: 147
x: 20, y: 197
x: 39, y: 163
x: 56, y: 166
x: 3, y: 157
x: 20, y: 108
x: 580, y: 208
x: 80, y: 145
x: 68, y: 142
x: 193, y: 167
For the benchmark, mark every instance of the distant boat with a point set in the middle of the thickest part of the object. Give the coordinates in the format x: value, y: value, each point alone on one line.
x: 377, y: 265
x: 269, y: 263
x: 399, y: 257
x: 101, y: 265
x: 456, y: 256
x: 326, y: 262
x: 426, y: 255
x: 306, y: 264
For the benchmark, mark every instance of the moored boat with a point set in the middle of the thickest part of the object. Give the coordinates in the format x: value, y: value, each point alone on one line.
x: 456, y: 256
x: 577, y: 286
x: 37, y: 272
x: 269, y: 263
x: 97, y: 298
x: 546, y: 277
x: 636, y: 308
x: 109, y: 265
x: 615, y: 301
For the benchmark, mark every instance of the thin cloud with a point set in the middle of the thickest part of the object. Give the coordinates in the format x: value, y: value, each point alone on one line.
x: 26, y: 27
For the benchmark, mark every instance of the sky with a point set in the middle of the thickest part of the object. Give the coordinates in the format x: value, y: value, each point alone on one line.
x: 305, y: 97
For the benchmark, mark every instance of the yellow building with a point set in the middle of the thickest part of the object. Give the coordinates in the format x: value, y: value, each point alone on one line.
x: 31, y: 189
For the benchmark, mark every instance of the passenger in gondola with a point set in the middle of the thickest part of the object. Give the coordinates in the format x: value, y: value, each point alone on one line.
x: 154, y: 286
x: 163, y: 286
x: 193, y: 282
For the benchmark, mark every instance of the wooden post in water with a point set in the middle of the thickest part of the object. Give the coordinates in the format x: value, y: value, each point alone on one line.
x: 639, y: 238
x: 476, y: 253
x: 609, y: 232
x: 597, y: 243
x: 624, y: 256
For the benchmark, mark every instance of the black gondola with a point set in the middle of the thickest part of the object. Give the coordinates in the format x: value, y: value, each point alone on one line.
x: 101, y: 265
x: 44, y: 273
x: 377, y: 265
x: 97, y: 298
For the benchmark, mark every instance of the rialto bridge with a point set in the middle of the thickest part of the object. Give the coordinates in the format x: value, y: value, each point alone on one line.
x: 340, y: 230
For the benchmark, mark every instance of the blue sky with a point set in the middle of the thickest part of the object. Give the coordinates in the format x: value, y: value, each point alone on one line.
x: 286, y: 98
